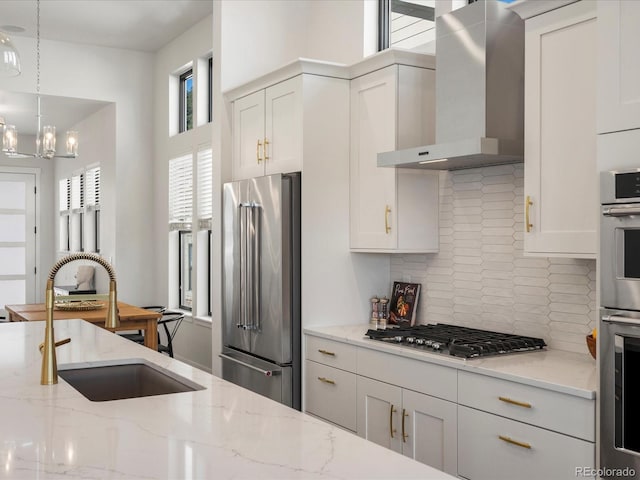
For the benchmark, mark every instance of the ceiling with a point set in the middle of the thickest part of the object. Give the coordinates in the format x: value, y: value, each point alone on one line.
x: 143, y: 25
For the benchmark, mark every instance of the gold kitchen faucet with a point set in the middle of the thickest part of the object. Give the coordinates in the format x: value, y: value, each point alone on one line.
x: 49, y: 373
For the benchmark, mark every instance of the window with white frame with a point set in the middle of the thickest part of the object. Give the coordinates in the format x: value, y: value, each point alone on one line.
x: 190, y: 219
x: 205, y: 215
x: 79, y: 206
x: 180, y: 218
x: 92, y: 209
x: 186, y: 101
x: 64, y: 199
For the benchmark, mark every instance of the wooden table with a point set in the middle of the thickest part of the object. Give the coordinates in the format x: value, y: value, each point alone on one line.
x: 131, y: 318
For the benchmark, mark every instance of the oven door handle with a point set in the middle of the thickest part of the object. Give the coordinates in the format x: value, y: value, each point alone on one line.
x: 621, y: 319
x: 621, y: 211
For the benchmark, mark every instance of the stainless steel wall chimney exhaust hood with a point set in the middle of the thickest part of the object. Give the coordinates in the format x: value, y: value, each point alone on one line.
x: 479, y: 92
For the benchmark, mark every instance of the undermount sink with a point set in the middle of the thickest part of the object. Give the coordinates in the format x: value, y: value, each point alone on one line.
x: 120, y: 379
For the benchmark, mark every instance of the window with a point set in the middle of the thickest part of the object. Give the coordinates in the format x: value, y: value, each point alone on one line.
x: 92, y: 208
x: 185, y: 246
x: 186, y: 101
x: 408, y: 24
x: 210, y: 90
x: 79, y: 206
x: 180, y: 217
x: 205, y: 210
x: 64, y: 206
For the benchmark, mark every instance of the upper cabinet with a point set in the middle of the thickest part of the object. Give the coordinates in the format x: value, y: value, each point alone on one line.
x: 561, y: 190
x: 392, y: 209
x: 619, y: 68
x: 267, y: 131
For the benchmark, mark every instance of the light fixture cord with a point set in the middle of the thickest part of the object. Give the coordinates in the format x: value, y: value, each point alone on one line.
x: 39, y: 138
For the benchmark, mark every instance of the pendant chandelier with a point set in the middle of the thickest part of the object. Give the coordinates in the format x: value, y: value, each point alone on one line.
x: 46, y: 135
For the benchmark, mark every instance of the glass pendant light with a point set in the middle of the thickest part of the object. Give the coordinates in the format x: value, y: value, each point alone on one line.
x: 10, y: 65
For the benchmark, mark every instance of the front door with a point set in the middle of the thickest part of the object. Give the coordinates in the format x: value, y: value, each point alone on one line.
x: 17, y: 239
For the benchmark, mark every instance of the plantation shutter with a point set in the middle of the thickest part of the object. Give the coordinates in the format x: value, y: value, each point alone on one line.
x: 64, y: 192
x: 92, y: 198
x: 205, y: 189
x: 180, y: 193
x: 77, y: 191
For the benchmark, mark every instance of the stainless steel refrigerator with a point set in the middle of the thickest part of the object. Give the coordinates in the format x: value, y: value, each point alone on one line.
x: 261, y: 286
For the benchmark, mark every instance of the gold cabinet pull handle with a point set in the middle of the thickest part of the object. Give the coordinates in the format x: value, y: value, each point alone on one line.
x: 258, y: 145
x: 326, y: 352
x: 326, y: 380
x: 514, y: 442
x: 391, y: 429
x: 514, y: 402
x: 404, y: 435
x: 266, y: 152
x: 527, y: 204
x: 387, y: 211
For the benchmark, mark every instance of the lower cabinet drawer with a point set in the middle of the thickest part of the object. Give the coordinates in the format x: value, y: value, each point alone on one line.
x: 493, y: 448
x: 331, y: 394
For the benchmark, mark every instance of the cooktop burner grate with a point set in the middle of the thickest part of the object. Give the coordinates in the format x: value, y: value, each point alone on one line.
x: 458, y: 341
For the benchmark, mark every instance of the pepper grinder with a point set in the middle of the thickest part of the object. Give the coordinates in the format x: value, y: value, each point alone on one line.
x: 383, y: 313
x: 373, y: 319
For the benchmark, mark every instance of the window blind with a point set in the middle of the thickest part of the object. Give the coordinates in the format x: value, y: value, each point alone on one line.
x: 77, y: 191
x: 180, y: 191
x: 205, y: 188
x: 92, y: 197
x: 64, y: 192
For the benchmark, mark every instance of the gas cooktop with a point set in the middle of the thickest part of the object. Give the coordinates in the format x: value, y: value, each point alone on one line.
x: 457, y: 341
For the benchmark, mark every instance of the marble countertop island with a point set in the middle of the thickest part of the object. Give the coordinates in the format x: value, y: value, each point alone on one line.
x: 223, y: 431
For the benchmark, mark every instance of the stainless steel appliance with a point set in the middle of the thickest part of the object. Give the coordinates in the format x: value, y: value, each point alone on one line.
x: 457, y: 341
x: 261, y: 286
x: 619, y: 329
x: 479, y: 91
x: 620, y: 240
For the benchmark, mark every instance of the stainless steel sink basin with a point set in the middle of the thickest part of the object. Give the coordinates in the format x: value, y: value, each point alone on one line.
x: 117, y: 380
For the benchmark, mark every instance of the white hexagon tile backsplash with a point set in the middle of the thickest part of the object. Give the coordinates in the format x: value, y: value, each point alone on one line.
x: 480, y: 277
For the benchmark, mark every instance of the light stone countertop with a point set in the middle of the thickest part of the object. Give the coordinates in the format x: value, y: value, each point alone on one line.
x: 565, y: 372
x: 222, y: 432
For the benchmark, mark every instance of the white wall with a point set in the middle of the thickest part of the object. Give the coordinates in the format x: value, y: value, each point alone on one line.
x: 121, y: 77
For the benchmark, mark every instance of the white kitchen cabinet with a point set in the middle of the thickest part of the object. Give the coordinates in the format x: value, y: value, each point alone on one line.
x: 330, y: 386
x: 419, y: 426
x: 491, y: 447
x: 392, y: 210
x: 267, y: 130
x: 619, y: 68
x: 510, y: 430
x: 560, y: 180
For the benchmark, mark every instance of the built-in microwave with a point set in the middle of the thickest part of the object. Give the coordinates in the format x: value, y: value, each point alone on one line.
x: 620, y: 240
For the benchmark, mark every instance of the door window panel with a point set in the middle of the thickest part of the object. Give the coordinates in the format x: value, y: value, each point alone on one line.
x: 13, y: 260
x: 12, y: 228
x: 12, y: 292
x: 12, y: 195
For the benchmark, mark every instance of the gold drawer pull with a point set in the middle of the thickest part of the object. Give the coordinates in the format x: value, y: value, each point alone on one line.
x: 404, y: 434
x: 266, y: 153
x: 514, y: 442
x: 258, y: 157
x: 325, y: 352
x: 326, y: 380
x: 392, y: 430
x: 528, y: 203
x: 387, y: 211
x: 514, y: 402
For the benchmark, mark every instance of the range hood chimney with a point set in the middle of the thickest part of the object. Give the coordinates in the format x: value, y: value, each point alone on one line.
x: 479, y: 92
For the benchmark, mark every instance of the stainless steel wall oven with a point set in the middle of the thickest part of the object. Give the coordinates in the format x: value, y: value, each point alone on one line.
x: 619, y: 333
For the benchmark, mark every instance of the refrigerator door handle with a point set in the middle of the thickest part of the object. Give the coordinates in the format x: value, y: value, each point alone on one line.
x: 266, y: 373
x: 256, y: 261
x: 242, y: 213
